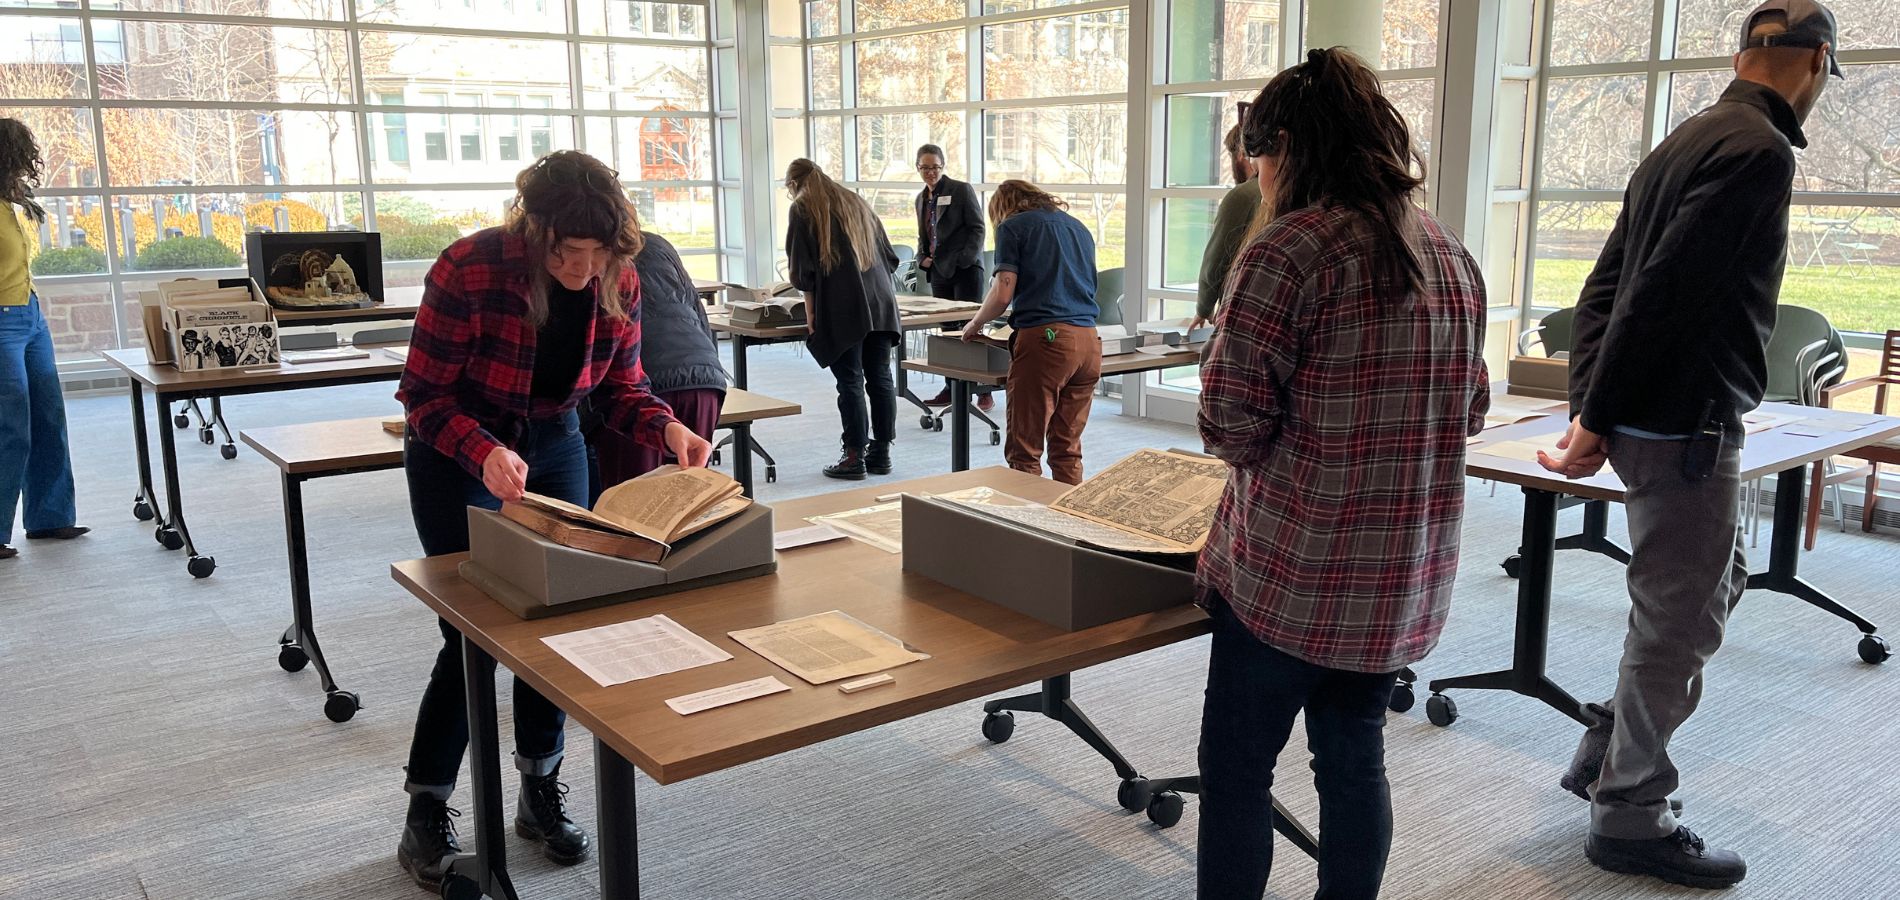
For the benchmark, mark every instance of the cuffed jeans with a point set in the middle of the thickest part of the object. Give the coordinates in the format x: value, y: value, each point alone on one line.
x: 34, y: 458
x: 440, y: 492
x: 865, y: 373
x: 1687, y: 571
x: 1253, y: 694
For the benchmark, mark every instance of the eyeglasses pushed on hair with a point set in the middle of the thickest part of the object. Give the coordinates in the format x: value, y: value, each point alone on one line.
x: 564, y: 172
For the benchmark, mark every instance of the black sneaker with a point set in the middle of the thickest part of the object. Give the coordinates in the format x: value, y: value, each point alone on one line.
x: 541, y: 816
x: 7, y: 552
x: 428, y: 841
x: 1681, y: 858
x: 877, y: 459
x: 57, y: 534
x: 849, y: 467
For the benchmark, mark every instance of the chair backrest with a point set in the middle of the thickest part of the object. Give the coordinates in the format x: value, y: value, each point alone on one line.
x: 1109, y: 286
x: 1890, y: 355
x: 1792, y: 352
x: 1559, y: 333
x: 904, y: 252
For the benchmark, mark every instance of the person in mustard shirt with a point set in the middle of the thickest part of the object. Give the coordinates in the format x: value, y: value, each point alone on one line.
x: 34, y: 461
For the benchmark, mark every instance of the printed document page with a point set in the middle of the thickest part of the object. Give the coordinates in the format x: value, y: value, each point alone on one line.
x: 629, y: 651
x: 827, y: 647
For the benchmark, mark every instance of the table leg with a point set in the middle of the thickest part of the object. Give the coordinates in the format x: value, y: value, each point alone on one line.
x: 1784, y: 564
x: 487, y: 868
x: 739, y: 345
x: 145, y: 504
x: 959, y: 425
x: 903, y: 375
x: 619, y: 851
x: 1595, y: 536
x: 742, y: 456
x: 300, y: 642
x: 228, y: 449
x: 1526, y: 674
x: 176, y: 534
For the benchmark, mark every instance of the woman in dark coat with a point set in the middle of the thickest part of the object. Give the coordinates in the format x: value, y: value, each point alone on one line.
x: 841, y: 259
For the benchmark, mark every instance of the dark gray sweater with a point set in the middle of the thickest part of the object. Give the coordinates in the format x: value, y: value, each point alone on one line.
x: 676, y: 344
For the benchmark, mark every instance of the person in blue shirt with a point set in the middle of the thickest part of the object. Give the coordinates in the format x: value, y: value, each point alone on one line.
x: 1045, y: 275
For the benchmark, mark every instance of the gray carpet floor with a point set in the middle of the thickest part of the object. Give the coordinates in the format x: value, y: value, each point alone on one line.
x: 157, y: 751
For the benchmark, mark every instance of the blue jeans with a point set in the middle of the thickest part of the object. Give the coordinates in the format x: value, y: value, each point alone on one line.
x: 440, y: 492
x: 1253, y: 694
x: 34, y: 459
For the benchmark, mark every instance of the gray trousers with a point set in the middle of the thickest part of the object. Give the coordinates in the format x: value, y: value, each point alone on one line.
x: 1686, y: 572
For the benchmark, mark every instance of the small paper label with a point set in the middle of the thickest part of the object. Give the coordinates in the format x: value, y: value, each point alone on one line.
x: 725, y: 696
x: 943, y: 200
x: 800, y: 537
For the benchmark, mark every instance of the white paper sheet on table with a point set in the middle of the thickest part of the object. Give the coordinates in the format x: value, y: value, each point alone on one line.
x: 629, y: 651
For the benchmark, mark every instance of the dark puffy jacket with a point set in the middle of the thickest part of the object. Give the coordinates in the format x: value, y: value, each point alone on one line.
x: 676, y: 345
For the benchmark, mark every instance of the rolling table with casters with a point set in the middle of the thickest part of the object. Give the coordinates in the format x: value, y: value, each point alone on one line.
x: 744, y: 337
x: 347, y: 446
x: 962, y: 380
x: 1765, y: 453
x: 976, y: 648
x: 169, y: 385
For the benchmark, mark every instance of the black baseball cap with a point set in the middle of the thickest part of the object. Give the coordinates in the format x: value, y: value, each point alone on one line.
x: 1809, y: 25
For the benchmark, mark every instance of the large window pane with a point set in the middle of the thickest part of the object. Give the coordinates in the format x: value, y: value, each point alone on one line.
x: 229, y: 146
x: 1187, y: 226
x: 65, y: 138
x: 1593, y: 132
x: 638, y: 18
x: 1712, y: 28
x: 1570, y: 236
x: 683, y: 215
x: 501, y: 15
x: 1416, y: 101
x: 787, y: 80
x: 1197, y: 128
x: 827, y: 149
x: 323, y: 10
x: 186, y: 231
x: 912, y: 69
x: 1057, y: 57
x: 42, y: 59
x: 418, y: 225
x: 1585, y: 32
x: 827, y: 77
x: 1854, y: 134
x: 887, y: 144
x: 822, y: 17
x: 897, y: 210
x: 1693, y: 92
x: 228, y: 63
x: 435, y: 62
x: 658, y: 148
x: 1085, y: 144
x: 874, y: 15
x: 1106, y: 216
x: 619, y: 76
x: 68, y: 241
x: 1411, y: 35
x: 1845, y: 263
x: 1003, y: 6
x: 1214, y: 40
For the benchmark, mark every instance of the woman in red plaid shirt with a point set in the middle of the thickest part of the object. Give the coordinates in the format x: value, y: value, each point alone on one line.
x: 1346, y: 373
x: 518, y: 323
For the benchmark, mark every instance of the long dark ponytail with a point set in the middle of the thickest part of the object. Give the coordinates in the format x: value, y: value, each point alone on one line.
x: 1340, y: 142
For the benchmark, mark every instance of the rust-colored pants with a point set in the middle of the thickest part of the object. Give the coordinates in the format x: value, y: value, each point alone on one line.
x: 1051, y: 384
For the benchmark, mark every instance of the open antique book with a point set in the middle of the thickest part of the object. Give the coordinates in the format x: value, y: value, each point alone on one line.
x: 1155, y: 501
x: 639, y: 519
x: 777, y: 305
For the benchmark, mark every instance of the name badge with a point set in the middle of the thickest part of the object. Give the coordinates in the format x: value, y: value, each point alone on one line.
x: 944, y: 200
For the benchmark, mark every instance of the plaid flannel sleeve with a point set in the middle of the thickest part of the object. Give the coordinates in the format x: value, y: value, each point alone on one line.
x: 1252, y: 355
x: 632, y: 407
x: 439, y: 350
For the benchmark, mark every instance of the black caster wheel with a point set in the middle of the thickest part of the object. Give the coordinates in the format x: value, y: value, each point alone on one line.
x: 1874, y: 649
x: 997, y: 727
x: 714, y: 459
x: 291, y: 658
x: 1513, y: 565
x: 1165, y: 809
x: 341, y: 706
x: 1402, y: 698
x: 201, y: 566
x: 928, y: 422
x: 206, y: 435
x: 169, y: 538
x: 181, y: 420
x: 771, y: 474
x: 1133, y: 794
x: 937, y: 425
x: 1441, y: 710
x: 228, y: 451
x: 995, y: 439
x: 142, y: 511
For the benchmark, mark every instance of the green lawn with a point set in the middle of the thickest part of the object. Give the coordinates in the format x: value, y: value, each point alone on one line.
x: 1868, y: 301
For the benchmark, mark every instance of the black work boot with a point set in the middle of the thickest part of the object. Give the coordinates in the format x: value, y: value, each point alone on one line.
x: 849, y: 467
x: 541, y: 816
x: 877, y: 459
x: 428, y: 840
x: 1681, y: 858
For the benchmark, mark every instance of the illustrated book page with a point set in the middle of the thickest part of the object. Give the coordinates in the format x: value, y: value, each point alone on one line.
x: 827, y: 647
x: 1163, y: 496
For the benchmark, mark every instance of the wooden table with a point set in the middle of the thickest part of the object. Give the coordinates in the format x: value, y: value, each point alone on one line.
x: 347, y: 446
x: 961, y: 382
x: 1772, y: 452
x: 976, y: 648
x: 169, y: 385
